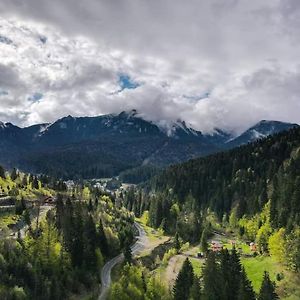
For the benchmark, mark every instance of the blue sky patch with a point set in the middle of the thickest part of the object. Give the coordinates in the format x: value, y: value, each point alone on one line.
x: 197, y: 97
x: 35, y: 97
x: 126, y: 82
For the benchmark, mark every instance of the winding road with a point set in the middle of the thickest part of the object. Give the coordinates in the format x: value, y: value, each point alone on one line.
x: 136, y: 248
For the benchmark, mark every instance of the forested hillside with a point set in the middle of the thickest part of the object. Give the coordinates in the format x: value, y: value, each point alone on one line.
x: 254, y: 189
x: 57, y: 254
x: 245, y: 178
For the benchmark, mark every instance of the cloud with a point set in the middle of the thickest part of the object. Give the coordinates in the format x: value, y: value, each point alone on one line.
x: 219, y: 63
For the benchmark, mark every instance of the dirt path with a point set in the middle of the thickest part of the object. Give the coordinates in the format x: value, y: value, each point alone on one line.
x: 175, y: 263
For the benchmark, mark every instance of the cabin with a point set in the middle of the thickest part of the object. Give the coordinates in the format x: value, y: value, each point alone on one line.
x: 253, y: 247
x: 49, y: 200
x: 216, y: 246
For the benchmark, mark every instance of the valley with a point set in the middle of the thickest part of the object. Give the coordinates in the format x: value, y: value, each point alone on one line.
x: 149, y: 150
x: 222, y: 220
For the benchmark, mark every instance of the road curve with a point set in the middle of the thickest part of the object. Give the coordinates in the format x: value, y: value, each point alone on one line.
x: 136, y: 248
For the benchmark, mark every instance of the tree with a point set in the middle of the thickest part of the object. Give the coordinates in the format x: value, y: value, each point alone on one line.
x: 184, y: 281
x: 212, y: 279
x: 267, y: 290
x: 103, y: 244
x: 90, y: 241
x: 195, y: 292
x: 277, y: 245
x: 27, y: 219
x: 129, y: 286
x: 245, y: 291
x: 25, y: 180
x: 177, y: 244
x: 155, y: 290
x: 59, y: 211
x: 2, y: 172
x: 293, y: 249
x: 35, y: 183
x: 127, y: 254
x: 203, y: 242
x: 14, y: 174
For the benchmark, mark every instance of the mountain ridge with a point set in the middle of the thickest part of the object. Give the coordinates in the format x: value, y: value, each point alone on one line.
x: 105, y: 145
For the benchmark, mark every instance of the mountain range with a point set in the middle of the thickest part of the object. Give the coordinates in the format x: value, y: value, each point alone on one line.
x: 103, y: 146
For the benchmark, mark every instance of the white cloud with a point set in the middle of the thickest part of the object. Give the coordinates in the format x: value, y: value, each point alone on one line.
x: 245, y: 54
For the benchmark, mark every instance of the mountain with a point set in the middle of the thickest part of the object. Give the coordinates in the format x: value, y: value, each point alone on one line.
x: 260, y: 130
x: 105, y: 145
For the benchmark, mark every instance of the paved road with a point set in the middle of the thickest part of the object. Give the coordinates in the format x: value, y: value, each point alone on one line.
x: 139, y: 245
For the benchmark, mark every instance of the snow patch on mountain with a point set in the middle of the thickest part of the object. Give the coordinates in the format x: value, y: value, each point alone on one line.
x: 258, y: 135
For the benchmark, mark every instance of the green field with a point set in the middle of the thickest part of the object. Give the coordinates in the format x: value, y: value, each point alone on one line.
x: 255, y: 267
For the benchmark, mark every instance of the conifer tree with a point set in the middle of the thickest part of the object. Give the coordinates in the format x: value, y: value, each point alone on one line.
x: 236, y: 269
x: 127, y: 254
x: 177, y: 242
x: 2, y: 172
x: 212, y: 279
x: 195, y: 292
x: 14, y: 174
x: 184, y: 282
x: 102, y: 240
x: 267, y: 290
x: 203, y: 242
x: 35, y: 183
x: 245, y: 291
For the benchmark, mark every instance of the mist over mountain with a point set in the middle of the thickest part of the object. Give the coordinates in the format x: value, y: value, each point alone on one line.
x: 114, y: 143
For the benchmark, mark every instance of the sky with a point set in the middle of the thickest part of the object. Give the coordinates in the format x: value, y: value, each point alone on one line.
x: 213, y: 63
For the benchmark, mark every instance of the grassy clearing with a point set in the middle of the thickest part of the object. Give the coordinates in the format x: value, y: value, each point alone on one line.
x: 288, y: 288
x: 255, y: 267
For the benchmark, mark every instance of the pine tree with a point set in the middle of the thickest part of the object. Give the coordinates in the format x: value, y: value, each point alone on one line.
x: 27, y: 219
x: 184, y: 282
x: 195, y: 292
x: 90, y: 240
x: 59, y: 211
x: 103, y: 244
x: 2, y: 172
x: 14, y: 174
x: 177, y: 242
x: 25, y: 180
x: 212, y: 279
x: 127, y: 254
x: 203, y: 242
x: 245, y: 290
x: 236, y: 269
x: 35, y: 183
x: 90, y: 206
x: 267, y: 290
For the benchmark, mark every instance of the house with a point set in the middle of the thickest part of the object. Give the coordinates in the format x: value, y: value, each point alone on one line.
x: 253, y: 247
x: 216, y: 246
x: 49, y: 200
